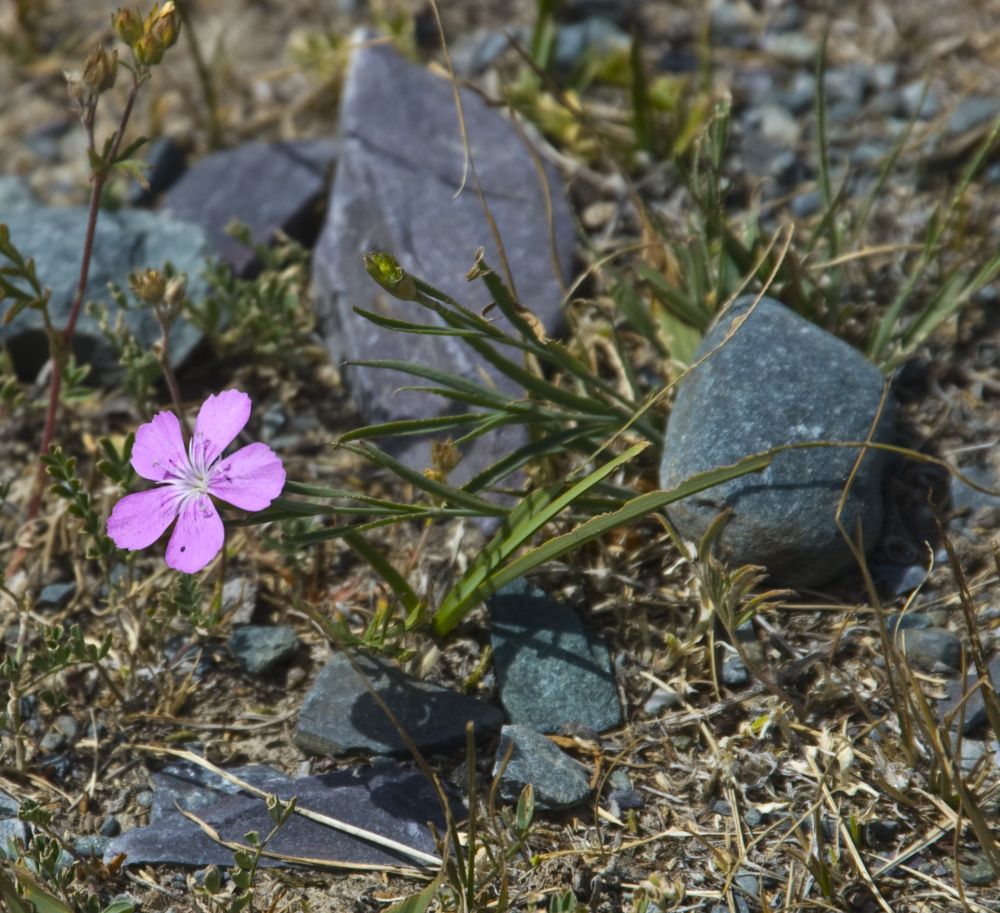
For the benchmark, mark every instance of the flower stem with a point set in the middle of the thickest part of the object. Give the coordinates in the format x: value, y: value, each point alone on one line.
x: 168, y: 372
x: 60, y: 344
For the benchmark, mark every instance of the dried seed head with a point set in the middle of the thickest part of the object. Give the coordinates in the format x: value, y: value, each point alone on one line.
x: 100, y: 70
x: 149, y: 286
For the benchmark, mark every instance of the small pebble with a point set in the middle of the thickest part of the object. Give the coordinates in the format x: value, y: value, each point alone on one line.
x: 55, y: 596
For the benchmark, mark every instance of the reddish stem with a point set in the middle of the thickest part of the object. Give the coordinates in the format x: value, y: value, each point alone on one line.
x: 64, y: 341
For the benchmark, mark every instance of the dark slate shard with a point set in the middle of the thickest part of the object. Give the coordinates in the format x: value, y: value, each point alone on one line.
x: 552, y: 674
x: 125, y: 241
x: 558, y: 781
x: 399, y: 169
x: 387, y: 799
x: 261, y: 648
x: 339, y: 715
x: 779, y: 379
x: 267, y: 186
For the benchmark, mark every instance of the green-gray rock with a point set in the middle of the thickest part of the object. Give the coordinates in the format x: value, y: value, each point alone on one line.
x: 557, y: 779
x: 778, y: 379
x: 553, y: 675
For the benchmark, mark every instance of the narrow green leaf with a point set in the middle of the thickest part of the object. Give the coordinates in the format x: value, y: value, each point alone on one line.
x: 419, y: 903
x: 525, y: 808
x: 381, y: 565
x: 537, y: 509
x: 410, y: 426
x: 631, y: 511
x: 406, y: 326
x: 436, y: 490
x: 476, y: 584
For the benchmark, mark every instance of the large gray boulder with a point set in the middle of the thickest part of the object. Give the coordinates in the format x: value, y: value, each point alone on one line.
x: 778, y: 380
x: 125, y: 241
x: 398, y: 186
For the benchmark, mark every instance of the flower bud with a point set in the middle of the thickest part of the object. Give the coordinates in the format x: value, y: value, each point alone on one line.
x: 100, y: 70
x: 149, y: 285
x: 127, y: 25
x: 175, y: 293
x: 384, y: 268
x: 166, y: 26
x: 147, y: 50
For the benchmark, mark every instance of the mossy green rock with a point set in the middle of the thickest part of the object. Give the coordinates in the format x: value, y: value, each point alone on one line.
x: 779, y: 379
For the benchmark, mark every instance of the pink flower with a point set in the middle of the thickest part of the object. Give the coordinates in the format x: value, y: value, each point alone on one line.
x: 249, y: 479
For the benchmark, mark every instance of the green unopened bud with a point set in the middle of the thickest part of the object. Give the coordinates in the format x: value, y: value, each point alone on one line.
x: 148, y: 51
x: 149, y: 286
x: 384, y: 268
x: 127, y: 25
x: 100, y: 70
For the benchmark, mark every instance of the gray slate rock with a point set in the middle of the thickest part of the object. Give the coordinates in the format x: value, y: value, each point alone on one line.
x: 928, y: 647
x: 734, y: 671
x: 558, y: 780
x: 387, y: 799
x: 971, y: 113
x: 56, y: 596
x: 967, y: 500
x: 764, y: 388
x: 15, y: 194
x: 14, y: 836
x: 165, y: 162
x: 339, y: 716
x: 399, y: 168
x: 552, y: 674
x: 260, y: 648
x: 125, y: 241
x: 267, y: 186
x: 8, y: 805
x: 591, y: 38
x: 899, y: 578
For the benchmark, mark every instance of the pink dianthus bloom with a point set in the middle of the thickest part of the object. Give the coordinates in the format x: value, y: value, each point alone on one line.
x: 249, y: 479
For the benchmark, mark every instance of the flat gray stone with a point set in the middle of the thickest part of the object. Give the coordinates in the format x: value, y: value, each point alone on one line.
x: 125, y: 241
x: 398, y: 172
x: 926, y: 648
x: 339, y: 716
x: 779, y: 380
x: 558, y: 780
x: 267, y: 186
x: 552, y: 674
x: 260, y: 648
x: 387, y: 799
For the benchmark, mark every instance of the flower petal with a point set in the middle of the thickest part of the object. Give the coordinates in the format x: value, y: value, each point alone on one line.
x: 198, y: 536
x: 249, y: 479
x: 158, y: 452
x: 220, y: 419
x: 139, y: 519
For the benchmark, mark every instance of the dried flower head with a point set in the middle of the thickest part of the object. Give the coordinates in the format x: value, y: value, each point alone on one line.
x: 100, y: 70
